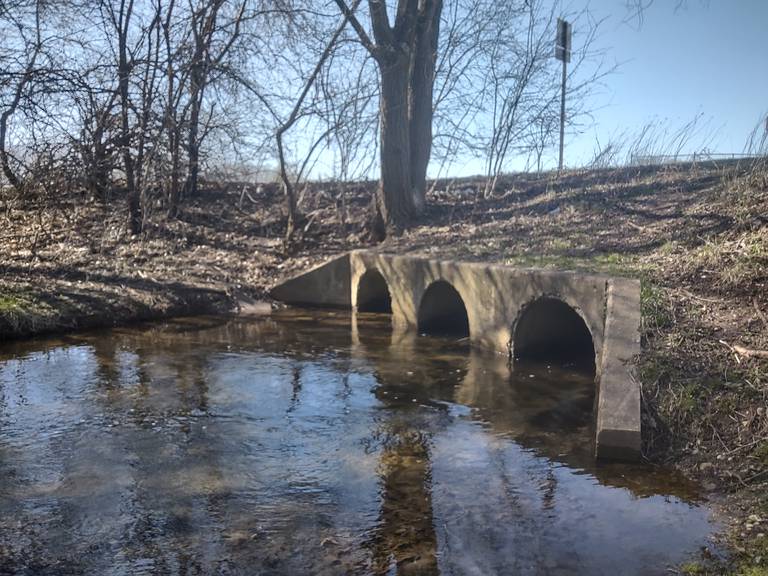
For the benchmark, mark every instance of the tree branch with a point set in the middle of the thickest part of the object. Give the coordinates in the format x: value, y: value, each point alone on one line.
x: 349, y: 16
x: 382, y: 31
x: 285, y: 126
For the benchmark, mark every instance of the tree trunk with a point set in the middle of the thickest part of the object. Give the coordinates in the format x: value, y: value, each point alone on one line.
x: 8, y: 172
x: 422, y: 82
x: 193, y: 145
x: 406, y: 55
x: 135, y: 220
x: 395, y: 201
x: 174, y: 192
x: 172, y: 120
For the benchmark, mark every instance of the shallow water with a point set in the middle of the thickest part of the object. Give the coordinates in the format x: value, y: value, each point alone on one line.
x: 312, y: 443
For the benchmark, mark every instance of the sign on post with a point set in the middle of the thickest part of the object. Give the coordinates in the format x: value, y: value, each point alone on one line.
x: 563, y: 52
x: 563, y: 41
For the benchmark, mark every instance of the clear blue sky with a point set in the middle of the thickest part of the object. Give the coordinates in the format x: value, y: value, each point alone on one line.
x: 707, y: 57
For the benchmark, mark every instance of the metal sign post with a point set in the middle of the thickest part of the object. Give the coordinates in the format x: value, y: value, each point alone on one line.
x: 563, y: 52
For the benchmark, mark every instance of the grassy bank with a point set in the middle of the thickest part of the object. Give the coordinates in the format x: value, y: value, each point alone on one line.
x: 697, y: 236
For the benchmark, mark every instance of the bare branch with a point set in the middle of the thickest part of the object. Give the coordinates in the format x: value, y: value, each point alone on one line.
x: 349, y: 15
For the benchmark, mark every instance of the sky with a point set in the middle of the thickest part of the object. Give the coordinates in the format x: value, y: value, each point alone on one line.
x: 689, y: 59
x: 707, y: 59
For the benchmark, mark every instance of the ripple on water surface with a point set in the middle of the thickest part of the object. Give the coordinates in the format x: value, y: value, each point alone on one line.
x: 314, y: 443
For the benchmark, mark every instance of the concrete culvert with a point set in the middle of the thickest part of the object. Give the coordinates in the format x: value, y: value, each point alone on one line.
x: 549, y: 330
x: 442, y: 311
x: 373, y: 293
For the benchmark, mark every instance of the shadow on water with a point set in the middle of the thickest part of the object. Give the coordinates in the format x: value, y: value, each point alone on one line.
x: 315, y: 442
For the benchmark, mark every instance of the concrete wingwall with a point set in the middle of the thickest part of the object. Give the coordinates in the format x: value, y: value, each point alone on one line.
x: 326, y: 285
x: 496, y: 298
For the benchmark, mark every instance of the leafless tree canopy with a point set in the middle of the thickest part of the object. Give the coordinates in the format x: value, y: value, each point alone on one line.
x: 140, y: 99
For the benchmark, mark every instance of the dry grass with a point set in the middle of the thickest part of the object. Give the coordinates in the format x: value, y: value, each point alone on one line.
x: 732, y: 264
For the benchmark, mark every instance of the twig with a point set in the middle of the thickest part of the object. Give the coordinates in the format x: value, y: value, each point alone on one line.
x: 724, y: 343
x: 746, y: 352
x: 717, y: 435
x: 760, y: 312
x: 757, y: 475
x: 743, y: 446
x: 311, y: 218
x: 749, y: 352
x: 685, y: 292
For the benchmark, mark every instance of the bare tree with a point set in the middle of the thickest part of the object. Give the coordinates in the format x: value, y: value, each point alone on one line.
x: 288, y: 187
x: 213, y: 40
x: 406, y: 53
x: 522, y: 90
x: 14, y: 83
x: 521, y: 84
x: 347, y: 98
x: 120, y: 19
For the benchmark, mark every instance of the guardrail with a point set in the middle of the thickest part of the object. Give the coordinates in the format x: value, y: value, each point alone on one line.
x: 654, y: 159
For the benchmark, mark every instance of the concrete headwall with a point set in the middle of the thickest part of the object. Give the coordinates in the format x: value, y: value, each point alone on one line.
x: 496, y: 298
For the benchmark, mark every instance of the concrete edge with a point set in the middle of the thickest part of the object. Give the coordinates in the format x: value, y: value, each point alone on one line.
x: 496, y: 267
x: 618, y: 429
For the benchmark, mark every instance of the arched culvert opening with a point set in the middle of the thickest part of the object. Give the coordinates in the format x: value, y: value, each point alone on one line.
x: 442, y: 311
x: 549, y: 330
x: 373, y: 293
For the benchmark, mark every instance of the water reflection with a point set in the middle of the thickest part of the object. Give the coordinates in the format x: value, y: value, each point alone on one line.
x: 313, y: 442
x: 548, y: 409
